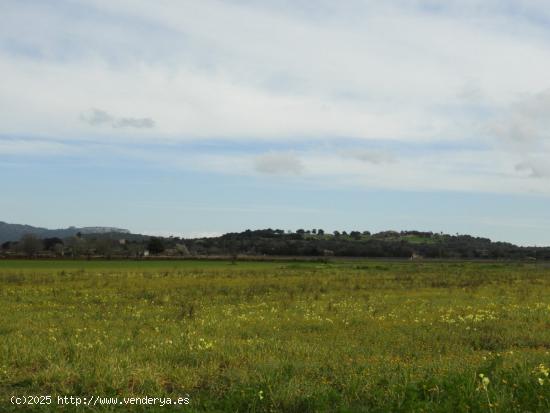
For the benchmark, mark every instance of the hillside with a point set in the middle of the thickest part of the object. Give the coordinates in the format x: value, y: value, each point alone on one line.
x: 13, y: 232
x: 390, y: 244
x: 115, y: 242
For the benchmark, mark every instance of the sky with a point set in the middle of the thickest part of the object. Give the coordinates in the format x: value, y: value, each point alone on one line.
x: 199, y: 117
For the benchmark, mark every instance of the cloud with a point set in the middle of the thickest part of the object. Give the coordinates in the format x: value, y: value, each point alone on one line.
x: 522, y: 129
x: 134, y: 123
x: 525, y: 122
x: 409, y: 76
x: 201, y: 77
x: 470, y: 92
x: 34, y: 147
x: 278, y: 163
x: 98, y: 117
x: 535, y: 168
x: 368, y: 156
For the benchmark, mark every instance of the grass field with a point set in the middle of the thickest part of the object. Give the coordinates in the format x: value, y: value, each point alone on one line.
x: 282, y: 336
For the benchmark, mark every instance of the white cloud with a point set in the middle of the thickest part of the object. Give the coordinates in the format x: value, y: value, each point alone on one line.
x: 411, y: 73
x: 525, y: 122
x: 536, y: 168
x: 278, y: 164
x: 34, y: 147
x: 237, y: 70
x: 98, y: 117
x: 522, y: 131
x: 369, y: 156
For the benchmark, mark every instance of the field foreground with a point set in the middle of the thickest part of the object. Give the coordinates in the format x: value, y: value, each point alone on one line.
x: 269, y: 337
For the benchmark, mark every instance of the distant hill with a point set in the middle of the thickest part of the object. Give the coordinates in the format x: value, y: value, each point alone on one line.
x: 13, y: 232
x: 116, y: 242
x: 388, y: 244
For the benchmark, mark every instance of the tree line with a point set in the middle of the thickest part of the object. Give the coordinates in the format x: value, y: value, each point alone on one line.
x: 275, y: 242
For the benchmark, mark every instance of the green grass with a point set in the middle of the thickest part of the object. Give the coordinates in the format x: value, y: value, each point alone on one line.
x: 127, y: 265
x: 278, y: 336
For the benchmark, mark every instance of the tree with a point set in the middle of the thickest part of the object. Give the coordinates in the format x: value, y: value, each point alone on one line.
x: 59, y: 250
x: 135, y: 249
x: 75, y: 245
x: 155, y: 245
x: 356, y: 235
x: 104, y: 247
x: 50, y: 243
x: 182, y: 250
x: 30, y: 245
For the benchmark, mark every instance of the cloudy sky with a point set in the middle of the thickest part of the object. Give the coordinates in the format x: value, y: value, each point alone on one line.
x: 199, y: 116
